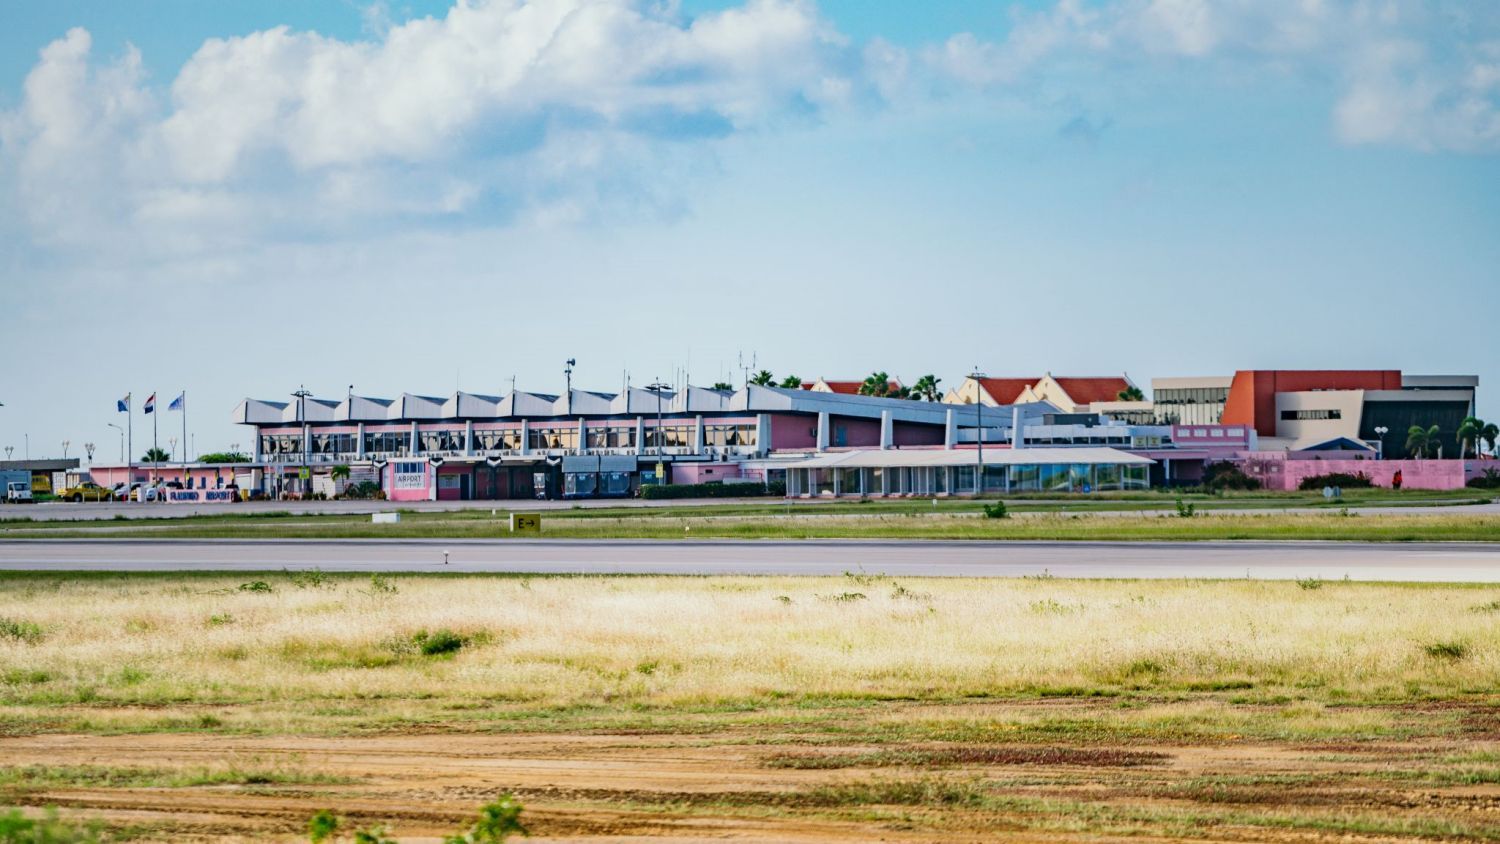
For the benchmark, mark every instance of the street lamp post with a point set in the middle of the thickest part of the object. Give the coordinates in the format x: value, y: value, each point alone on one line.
x: 657, y: 387
x: 66, y: 443
x: 88, y: 449
x: 301, y: 396
x: 979, y: 431
x: 122, y: 439
x: 1381, y: 431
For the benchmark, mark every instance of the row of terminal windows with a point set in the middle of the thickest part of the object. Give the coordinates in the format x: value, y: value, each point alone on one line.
x: 1310, y: 415
x: 541, y: 439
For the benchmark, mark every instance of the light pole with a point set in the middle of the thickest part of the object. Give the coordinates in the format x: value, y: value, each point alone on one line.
x: 302, y: 395
x: 89, y: 450
x: 568, y: 376
x: 66, y: 443
x: 122, y: 439
x: 172, y: 445
x: 979, y: 431
x: 1381, y: 431
x: 657, y: 387
x: 8, y: 450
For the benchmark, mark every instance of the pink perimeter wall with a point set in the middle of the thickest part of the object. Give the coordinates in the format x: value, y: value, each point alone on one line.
x: 702, y: 473
x: 1275, y: 471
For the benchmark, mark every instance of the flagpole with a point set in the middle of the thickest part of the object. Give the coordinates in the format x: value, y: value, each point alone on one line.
x: 155, y: 449
x: 183, y: 398
x: 130, y: 444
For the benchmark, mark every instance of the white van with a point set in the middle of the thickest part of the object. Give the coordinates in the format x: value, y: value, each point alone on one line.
x: 18, y: 492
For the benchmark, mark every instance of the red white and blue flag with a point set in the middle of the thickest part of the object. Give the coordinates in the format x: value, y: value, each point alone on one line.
x: 150, y: 406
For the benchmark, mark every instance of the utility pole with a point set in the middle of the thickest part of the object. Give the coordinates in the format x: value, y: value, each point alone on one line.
x: 568, y: 375
x: 302, y: 395
x: 979, y: 431
x: 657, y: 387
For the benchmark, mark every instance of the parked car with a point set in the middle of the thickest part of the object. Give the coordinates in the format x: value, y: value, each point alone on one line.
x: 18, y: 492
x: 86, y: 491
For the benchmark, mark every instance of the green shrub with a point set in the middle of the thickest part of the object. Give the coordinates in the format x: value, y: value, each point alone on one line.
x: 660, y: 491
x: 1446, y: 650
x: 322, y: 826
x: 1342, y: 480
x: 16, y: 828
x: 996, y: 511
x: 1185, y: 509
x: 256, y: 586
x: 438, y: 642
x: 1489, y: 480
x: 497, y: 821
x: 1221, y: 476
x: 20, y: 630
x: 1309, y: 583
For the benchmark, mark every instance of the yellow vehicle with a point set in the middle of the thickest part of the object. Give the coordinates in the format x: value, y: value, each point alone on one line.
x: 86, y: 491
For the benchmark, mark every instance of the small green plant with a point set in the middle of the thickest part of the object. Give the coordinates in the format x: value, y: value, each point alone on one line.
x: 322, y: 826
x: 373, y: 835
x: 784, y: 599
x: 497, y: 821
x: 848, y: 597
x: 16, y: 828
x: 310, y: 579
x: 1452, y: 651
x: 220, y: 619
x: 996, y: 511
x: 438, y: 642
x: 256, y: 586
x: 1185, y: 509
x: 1309, y: 583
x: 20, y: 630
x: 381, y: 585
x: 1492, y: 606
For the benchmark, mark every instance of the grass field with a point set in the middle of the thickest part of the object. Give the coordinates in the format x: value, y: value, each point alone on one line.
x: 1124, y: 520
x: 846, y: 708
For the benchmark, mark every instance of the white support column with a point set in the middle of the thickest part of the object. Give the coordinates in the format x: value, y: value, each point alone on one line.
x: 469, y: 437
x: 822, y: 431
x: 359, y: 441
x: 525, y: 436
x: 763, y: 434
x: 129, y: 480
x: 640, y: 435
x: 306, y: 438
x: 950, y: 430
x: 415, y: 445
x: 886, y: 430
x: 698, y: 434
x: 1017, y: 429
x: 583, y: 435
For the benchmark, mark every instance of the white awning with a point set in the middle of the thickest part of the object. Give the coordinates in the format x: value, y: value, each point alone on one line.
x: 898, y: 458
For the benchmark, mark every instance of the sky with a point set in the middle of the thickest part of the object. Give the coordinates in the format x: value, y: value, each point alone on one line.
x: 239, y: 198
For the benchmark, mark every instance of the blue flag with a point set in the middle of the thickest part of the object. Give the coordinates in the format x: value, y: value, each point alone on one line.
x: 179, y: 402
x: 123, y: 405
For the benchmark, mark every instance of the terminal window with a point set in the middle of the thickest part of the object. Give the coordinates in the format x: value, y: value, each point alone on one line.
x: 1310, y: 415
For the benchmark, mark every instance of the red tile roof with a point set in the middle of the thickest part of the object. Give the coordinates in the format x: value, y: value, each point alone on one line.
x: 1089, y: 390
x: 851, y: 388
x: 1006, y: 390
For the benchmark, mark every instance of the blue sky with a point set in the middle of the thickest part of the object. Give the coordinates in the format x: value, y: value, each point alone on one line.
x: 402, y: 196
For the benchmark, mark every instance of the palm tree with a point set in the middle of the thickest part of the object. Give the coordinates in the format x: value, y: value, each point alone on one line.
x: 1471, y: 432
x: 1131, y: 393
x: 723, y: 386
x: 878, y: 384
x: 1421, y: 442
x: 791, y: 382
x: 926, y: 389
x: 763, y: 378
x: 1489, y: 433
x: 156, y: 455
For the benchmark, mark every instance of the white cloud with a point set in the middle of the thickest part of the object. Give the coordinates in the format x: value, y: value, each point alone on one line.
x: 502, y: 105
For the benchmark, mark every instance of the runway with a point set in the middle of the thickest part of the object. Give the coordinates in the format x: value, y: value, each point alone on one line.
x: 1421, y: 562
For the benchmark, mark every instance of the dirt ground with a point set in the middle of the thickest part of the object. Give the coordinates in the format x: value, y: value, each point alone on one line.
x: 757, y: 785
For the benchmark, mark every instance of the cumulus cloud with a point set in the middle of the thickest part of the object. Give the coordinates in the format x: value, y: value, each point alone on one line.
x: 499, y: 106
x: 559, y: 110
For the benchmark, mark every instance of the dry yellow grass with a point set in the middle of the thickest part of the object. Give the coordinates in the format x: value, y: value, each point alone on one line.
x: 698, y: 641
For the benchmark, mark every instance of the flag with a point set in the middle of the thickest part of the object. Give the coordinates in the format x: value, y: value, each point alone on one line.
x: 178, y: 403
x: 123, y: 405
x: 150, y: 405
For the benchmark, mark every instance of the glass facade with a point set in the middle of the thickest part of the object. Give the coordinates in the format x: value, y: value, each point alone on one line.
x: 504, y: 440
x: 1190, y: 405
x: 555, y: 439
x: 449, y: 441
x: 729, y: 435
x: 387, y: 443
x: 613, y: 436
